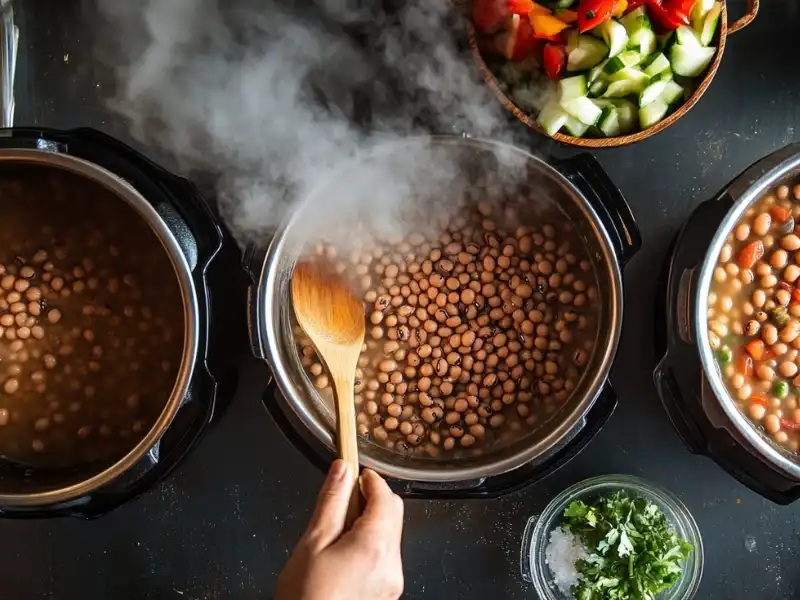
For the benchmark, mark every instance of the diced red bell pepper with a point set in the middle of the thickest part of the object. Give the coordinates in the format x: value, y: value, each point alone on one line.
x: 680, y: 8
x: 593, y: 12
x: 790, y: 425
x: 489, y: 15
x: 744, y: 365
x: 555, y: 60
x: 519, y: 42
x: 520, y: 7
x: 755, y: 348
x: 759, y: 399
x: 750, y: 254
x: 664, y: 18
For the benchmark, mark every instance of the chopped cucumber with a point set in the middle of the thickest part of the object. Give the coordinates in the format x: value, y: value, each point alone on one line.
x: 609, y: 122
x: 672, y: 93
x: 687, y: 37
x: 598, y: 88
x: 572, y: 87
x: 627, y: 114
x: 635, y: 20
x: 664, y: 76
x: 572, y: 40
x: 620, y: 89
x: 552, y: 118
x: 596, y: 72
x: 710, y: 24
x: 699, y: 12
x: 657, y: 63
x: 666, y: 40
x: 575, y: 127
x: 630, y: 74
x: 652, y: 113
x: 690, y: 62
x: 652, y: 92
x: 644, y: 40
x: 583, y: 109
x: 588, y: 53
x: 629, y: 58
x: 614, y: 35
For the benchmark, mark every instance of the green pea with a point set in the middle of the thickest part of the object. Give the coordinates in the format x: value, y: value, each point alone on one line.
x: 724, y: 355
x: 780, y: 389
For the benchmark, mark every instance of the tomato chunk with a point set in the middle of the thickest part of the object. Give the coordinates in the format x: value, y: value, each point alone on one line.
x: 790, y: 425
x: 750, y: 254
x: 592, y: 13
x: 755, y: 348
x: 744, y: 365
x: 555, y: 60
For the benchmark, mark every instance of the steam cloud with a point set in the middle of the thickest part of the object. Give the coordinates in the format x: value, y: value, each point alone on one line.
x: 270, y: 98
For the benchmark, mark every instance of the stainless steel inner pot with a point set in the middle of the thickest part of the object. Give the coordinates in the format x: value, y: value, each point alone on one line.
x: 49, y: 488
x: 332, y: 205
x: 746, y: 190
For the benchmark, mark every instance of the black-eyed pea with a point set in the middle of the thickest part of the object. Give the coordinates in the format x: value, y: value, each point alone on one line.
x: 790, y: 242
x: 790, y: 331
x: 761, y: 224
x: 778, y: 259
x: 772, y: 423
x: 783, y: 297
x: 787, y: 369
x: 742, y: 232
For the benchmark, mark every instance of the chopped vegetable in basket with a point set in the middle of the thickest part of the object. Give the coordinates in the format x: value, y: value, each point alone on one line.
x: 629, y: 53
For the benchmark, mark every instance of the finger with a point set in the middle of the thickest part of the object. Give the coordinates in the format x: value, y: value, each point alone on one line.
x: 327, y: 523
x: 384, y: 509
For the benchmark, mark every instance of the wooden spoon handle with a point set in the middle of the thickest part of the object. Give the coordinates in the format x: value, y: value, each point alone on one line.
x: 347, y: 441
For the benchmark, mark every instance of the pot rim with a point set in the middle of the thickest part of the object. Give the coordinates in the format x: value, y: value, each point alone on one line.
x: 620, y: 140
x: 267, y: 305
x: 743, y: 425
x: 126, y: 192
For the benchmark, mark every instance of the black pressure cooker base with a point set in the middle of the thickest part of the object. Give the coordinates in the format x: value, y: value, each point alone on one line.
x: 679, y: 376
x: 205, y: 246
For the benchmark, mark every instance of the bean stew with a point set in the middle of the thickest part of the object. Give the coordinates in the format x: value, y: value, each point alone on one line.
x: 478, y: 330
x: 91, y: 321
x: 754, y: 314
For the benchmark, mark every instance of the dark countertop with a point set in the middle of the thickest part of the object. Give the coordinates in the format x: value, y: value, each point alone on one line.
x: 222, y: 526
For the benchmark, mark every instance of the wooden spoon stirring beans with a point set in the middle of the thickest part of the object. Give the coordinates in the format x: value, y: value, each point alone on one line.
x: 333, y: 318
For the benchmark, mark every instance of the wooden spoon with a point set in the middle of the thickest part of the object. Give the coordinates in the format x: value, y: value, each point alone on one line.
x: 333, y: 318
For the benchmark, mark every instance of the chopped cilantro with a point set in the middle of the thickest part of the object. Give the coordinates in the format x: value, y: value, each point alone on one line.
x: 634, y: 552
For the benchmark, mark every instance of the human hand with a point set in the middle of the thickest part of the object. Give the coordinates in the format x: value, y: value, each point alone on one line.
x: 363, y: 563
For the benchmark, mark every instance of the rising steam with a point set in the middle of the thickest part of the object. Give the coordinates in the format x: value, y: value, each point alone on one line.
x: 269, y: 98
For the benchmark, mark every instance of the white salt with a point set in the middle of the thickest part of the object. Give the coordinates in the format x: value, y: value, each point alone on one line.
x: 562, y: 554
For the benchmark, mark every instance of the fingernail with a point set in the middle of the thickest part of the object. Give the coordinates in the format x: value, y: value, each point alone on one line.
x: 338, y: 470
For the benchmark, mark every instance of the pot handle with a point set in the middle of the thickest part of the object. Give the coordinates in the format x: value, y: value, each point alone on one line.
x: 669, y: 395
x: 252, y: 261
x: 738, y: 462
x: 586, y: 173
x: 737, y: 188
x: 742, y: 22
x: 492, y: 487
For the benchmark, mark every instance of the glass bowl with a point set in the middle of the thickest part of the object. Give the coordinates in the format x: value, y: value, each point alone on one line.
x: 537, y: 533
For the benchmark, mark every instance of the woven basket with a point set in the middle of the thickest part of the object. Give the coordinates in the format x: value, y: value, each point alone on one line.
x: 723, y: 32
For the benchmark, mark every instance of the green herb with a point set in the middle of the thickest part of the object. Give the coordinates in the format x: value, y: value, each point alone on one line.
x: 780, y: 389
x: 634, y: 552
x: 779, y: 316
x: 724, y: 355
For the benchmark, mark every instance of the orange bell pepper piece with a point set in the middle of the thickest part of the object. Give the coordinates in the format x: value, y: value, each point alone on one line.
x: 744, y: 365
x: 759, y: 399
x: 568, y: 16
x: 547, y: 26
x: 750, y: 254
x: 538, y: 9
x: 620, y: 8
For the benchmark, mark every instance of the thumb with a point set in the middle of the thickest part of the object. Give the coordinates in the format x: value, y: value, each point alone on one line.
x: 327, y: 523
